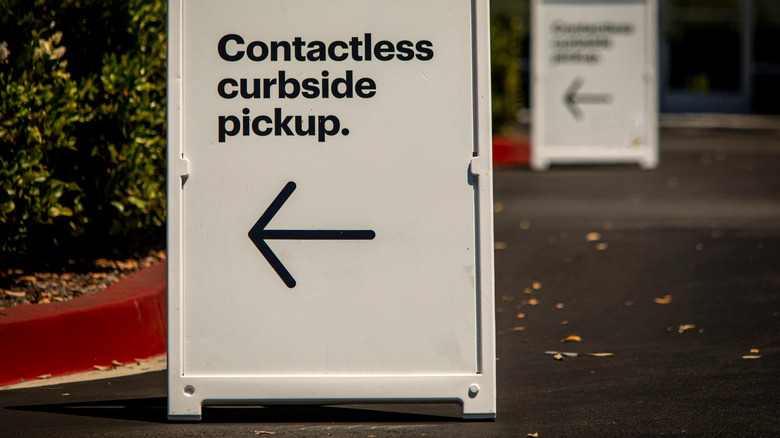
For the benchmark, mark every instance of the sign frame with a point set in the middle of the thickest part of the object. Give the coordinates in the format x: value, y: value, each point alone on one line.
x: 188, y: 392
x: 577, y: 99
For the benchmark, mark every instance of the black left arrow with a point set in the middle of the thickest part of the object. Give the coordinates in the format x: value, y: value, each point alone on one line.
x: 258, y: 234
x: 572, y: 97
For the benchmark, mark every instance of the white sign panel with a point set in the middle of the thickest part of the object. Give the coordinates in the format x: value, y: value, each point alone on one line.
x: 595, y: 93
x: 330, y: 203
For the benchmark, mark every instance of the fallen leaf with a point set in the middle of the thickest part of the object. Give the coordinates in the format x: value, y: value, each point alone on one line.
x: 532, y: 435
x: 601, y: 246
x: 44, y: 301
x: 500, y: 245
x: 508, y: 298
x: 593, y: 237
x: 103, y: 263
x: 102, y: 368
x: 536, y: 285
x: 559, y: 306
x: 600, y: 354
x: 754, y: 350
x: 685, y: 327
x: 563, y: 353
x: 572, y: 338
x: 751, y: 356
x: 44, y: 376
x: 116, y: 363
x: 128, y: 264
x: 498, y: 207
x: 528, y: 291
x: 518, y: 328
x: 521, y: 315
x: 264, y: 432
x: 533, y: 302
x: 15, y: 294
x: 28, y: 278
x: 558, y: 356
x: 564, y: 322
x: 525, y: 224
x: 665, y: 300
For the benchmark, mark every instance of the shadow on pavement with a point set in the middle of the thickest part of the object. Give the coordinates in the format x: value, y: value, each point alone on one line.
x: 154, y: 410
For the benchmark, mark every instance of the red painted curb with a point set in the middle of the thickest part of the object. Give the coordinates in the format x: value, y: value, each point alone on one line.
x: 511, y: 151
x: 124, y: 322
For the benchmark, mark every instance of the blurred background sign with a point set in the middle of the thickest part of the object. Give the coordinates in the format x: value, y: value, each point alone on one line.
x: 594, y: 82
x: 714, y: 56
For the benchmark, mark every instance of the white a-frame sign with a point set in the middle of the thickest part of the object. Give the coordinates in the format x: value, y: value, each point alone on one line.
x: 330, y: 204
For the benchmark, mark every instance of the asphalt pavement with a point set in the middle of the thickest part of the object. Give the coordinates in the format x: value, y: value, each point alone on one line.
x: 666, y: 284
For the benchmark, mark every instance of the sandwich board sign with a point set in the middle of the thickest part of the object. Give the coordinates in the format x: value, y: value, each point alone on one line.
x: 594, y: 74
x: 330, y: 204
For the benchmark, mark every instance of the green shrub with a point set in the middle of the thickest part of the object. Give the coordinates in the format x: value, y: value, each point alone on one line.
x: 506, y: 40
x: 82, y: 122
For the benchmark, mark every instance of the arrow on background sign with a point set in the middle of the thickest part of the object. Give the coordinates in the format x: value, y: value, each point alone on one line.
x: 258, y: 234
x: 571, y: 98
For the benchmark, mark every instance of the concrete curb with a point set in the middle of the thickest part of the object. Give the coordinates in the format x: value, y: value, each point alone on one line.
x: 124, y: 322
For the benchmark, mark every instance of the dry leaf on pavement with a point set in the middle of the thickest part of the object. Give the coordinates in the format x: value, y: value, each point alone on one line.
x: 665, y: 300
x: 600, y: 354
x: 572, y: 338
x: 685, y: 327
x: 563, y: 353
x: 593, y: 237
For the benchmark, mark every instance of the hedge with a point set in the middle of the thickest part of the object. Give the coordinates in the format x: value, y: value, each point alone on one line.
x: 82, y: 123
